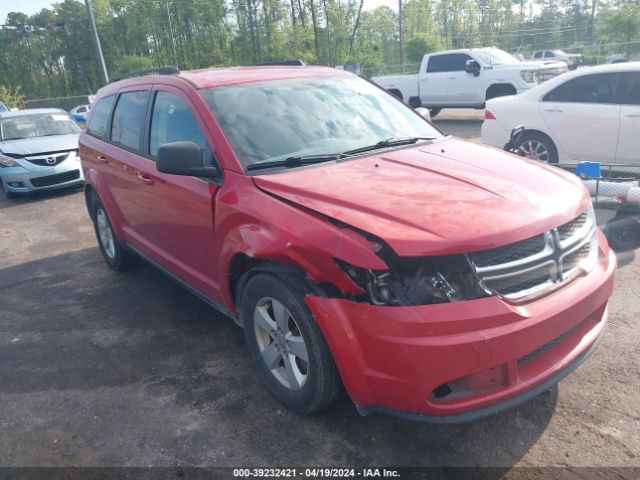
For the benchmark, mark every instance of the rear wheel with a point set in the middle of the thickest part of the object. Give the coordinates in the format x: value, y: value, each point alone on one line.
x: 623, y: 233
x: 116, y: 256
x: 289, y: 351
x: 537, y: 147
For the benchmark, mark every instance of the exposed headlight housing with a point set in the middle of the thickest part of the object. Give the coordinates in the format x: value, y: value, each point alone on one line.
x: 418, y: 281
x: 530, y: 76
x: 6, y: 161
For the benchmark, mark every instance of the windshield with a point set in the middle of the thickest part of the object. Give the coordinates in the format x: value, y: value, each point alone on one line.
x: 33, y: 125
x: 274, y: 120
x: 495, y: 56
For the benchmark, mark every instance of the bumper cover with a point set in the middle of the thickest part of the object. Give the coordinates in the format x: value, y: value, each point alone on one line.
x: 26, y: 175
x: 392, y: 359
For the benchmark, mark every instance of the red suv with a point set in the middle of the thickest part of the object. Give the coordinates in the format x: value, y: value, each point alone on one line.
x: 354, y: 242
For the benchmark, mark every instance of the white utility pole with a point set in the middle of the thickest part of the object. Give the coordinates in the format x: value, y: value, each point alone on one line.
x: 401, y: 35
x: 96, y: 41
x: 173, y: 41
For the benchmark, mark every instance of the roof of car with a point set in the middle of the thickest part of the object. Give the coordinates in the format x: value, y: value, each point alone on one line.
x: 217, y: 77
x: 30, y: 111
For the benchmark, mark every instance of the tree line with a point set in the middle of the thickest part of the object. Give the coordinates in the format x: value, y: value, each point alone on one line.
x: 51, y: 53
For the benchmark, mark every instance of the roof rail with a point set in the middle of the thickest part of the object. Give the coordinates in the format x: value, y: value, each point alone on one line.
x: 147, y: 71
x: 288, y: 63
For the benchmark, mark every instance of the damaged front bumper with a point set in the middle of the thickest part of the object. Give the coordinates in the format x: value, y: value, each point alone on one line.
x: 458, y: 361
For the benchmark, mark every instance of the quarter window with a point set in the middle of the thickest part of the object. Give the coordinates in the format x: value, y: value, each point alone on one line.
x: 100, y: 116
x: 596, y: 88
x: 173, y: 121
x: 128, y: 119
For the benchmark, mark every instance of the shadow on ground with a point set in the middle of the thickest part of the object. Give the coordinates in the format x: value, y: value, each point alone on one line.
x: 105, y: 368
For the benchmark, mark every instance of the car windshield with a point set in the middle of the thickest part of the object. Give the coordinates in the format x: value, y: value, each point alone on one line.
x: 272, y: 121
x: 495, y: 56
x: 36, y: 125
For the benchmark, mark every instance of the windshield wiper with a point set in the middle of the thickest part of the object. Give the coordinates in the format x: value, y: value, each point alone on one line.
x: 295, y: 161
x: 389, y: 142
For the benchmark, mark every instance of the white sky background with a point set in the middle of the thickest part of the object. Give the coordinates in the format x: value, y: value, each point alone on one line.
x: 32, y: 6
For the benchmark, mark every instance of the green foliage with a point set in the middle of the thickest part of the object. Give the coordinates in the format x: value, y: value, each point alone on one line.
x: 51, y: 53
x: 10, y: 96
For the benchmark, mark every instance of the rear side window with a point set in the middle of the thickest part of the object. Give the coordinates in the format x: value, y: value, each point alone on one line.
x: 173, y: 121
x: 630, y: 90
x: 439, y: 63
x: 596, y: 88
x: 128, y: 119
x: 100, y: 116
x: 537, y: 55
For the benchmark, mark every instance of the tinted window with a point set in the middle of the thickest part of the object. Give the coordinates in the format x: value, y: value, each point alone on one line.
x: 128, y: 119
x: 537, y: 55
x: 597, y: 88
x: 100, y: 116
x: 549, y: 54
x: 630, y: 93
x: 439, y: 63
x: 460, y: 62
x: 173, y: 121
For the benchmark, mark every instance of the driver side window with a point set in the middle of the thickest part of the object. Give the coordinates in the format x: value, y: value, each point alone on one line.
x: 173, y: 121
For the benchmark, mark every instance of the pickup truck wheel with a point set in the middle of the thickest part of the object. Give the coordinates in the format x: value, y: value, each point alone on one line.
x: 117, y: 257
x: 537, y: 147
x: 286, y: 345
x: 434, y: 111
x: 623, y: 233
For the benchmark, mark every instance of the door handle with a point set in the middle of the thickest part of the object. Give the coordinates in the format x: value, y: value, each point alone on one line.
x: 553, y: 110
x: 632, y: 115
x: 144, y: 178
x: 452, y: 78
x: 102, y: 159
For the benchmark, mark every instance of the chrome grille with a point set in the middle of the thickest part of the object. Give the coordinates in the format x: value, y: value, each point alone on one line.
x: 526, y: 269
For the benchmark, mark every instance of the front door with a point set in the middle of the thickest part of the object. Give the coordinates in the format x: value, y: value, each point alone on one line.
x: 464, y: 88
x: 629, y: 140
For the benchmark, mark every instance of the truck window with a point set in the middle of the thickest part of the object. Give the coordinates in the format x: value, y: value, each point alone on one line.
x: 460, y: 62
x: 537, y: 55
x: 439, y: 63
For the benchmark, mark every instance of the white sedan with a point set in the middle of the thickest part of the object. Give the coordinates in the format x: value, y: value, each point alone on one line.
x: 591, y: 114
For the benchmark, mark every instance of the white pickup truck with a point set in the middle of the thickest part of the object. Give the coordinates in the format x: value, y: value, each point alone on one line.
x: 467, y: 78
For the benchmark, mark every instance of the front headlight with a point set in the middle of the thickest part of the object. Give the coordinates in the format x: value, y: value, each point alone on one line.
x: 418, y: 281
x: 7, y: 161
x: 529, y: 76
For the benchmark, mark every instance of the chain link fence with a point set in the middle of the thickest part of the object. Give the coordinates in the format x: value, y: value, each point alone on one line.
x: 65, y: 103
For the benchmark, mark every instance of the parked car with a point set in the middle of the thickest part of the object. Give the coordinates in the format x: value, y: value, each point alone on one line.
x: 467, y: 78
x: 573, y: 60
x: 79, y: 113
x: 592, y: 114
x: 38, y: 150
x: 355, y: 243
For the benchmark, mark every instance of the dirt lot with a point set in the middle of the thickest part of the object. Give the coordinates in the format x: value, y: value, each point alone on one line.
x: 100, y: 368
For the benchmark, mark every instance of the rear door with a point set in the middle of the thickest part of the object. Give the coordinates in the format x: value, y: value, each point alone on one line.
x: 583, y: 116
x: 434, y: 81
x: 629, y: 140
x: 178, y: 227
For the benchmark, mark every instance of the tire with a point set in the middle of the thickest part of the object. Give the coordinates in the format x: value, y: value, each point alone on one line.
x: 496, y: 91
x: 280, y: 333
x: 623, y: 233
x: 434, y: 111
x: 537, y: 146
x: 117, y: 257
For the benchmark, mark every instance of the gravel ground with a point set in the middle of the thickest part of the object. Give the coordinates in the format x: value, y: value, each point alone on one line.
x: 105, y: 369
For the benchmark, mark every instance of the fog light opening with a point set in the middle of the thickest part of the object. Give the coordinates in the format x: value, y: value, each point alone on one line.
x: 441, y: 391
x: 15, y: 184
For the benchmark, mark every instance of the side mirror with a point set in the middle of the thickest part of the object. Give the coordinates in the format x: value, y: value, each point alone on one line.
x: 184, y: 158
x: 424, y: 113
x: 472, y: 67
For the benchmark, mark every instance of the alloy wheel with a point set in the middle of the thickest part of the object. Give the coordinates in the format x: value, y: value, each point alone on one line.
x: 534, y: 150
x: 105, y: 233
x: 280, y: 343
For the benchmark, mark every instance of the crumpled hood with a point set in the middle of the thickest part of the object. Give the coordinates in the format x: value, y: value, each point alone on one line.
x: 33, y: 146
x: 448, y: 197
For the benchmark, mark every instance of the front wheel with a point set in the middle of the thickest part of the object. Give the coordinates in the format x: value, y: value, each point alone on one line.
x: 289, y: 351
x: 623, y: 233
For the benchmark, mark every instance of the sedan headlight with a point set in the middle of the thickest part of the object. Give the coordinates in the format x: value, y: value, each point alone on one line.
x: 418, y: 281
x: 529, y: 76
x: 7, y: 161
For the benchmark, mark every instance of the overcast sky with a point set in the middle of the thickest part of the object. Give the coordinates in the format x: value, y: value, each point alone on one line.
x: 33, y: 6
